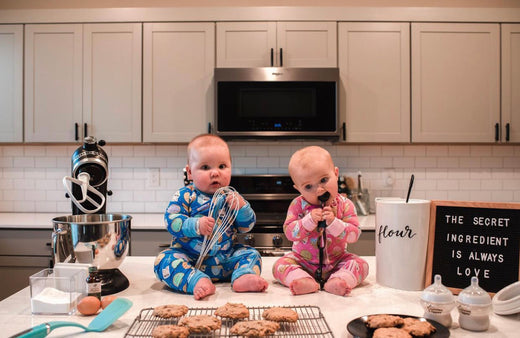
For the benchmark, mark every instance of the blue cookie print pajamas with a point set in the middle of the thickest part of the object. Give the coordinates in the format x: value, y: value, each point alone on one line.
x: 224, y: 262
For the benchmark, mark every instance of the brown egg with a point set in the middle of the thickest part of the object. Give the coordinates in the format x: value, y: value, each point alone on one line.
x: 105, y: 301
x: 89, y: 305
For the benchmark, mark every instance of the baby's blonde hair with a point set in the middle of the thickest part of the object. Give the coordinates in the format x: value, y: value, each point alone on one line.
x: 205, y: 140
x: 306, y: 157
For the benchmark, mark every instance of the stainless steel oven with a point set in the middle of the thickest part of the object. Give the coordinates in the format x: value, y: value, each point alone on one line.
x: 269, y: 196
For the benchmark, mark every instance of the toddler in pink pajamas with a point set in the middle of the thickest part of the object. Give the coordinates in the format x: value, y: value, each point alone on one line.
x: 314, y: 174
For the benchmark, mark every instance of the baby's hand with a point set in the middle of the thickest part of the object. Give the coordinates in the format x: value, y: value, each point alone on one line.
x: 241, y: 201
x: 329, y: 214
x: 317, y: 215
x: 206, y: 225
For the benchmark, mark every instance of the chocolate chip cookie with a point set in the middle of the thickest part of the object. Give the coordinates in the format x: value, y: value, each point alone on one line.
x: 170, y: 331
x: 280, y: 314
x: 417, y: 327
x: 378, y: 321
x: 233, y: 310
x: 169, y: 311
x: 201, y: 323
x: 255, y: 328
x: 390, y: 332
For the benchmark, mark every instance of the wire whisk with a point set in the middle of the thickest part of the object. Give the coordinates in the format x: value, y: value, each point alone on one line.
x: 223, y: 208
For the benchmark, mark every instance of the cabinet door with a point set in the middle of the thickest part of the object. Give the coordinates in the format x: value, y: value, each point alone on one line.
x: 53, y: 82
x: 179, y: 61
x: 307, y: 44
x: 374, y: 61
x: 511, y: 82
x: 455, y: 82
x: 112, y: 81
x: 11, y: 83
x: 246, y: 44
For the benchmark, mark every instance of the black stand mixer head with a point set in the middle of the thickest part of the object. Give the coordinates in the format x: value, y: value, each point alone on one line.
x: 89, y: 180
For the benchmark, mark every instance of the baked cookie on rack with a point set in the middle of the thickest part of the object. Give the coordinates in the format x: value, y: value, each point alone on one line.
x: 169, y: 311
x: 233, y: 311
x: 201, y: 323
x: 255, y: 328
x: 280, y: 314
x: 170, y: 331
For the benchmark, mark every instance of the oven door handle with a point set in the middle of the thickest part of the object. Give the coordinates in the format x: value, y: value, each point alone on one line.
x: 264, y: 197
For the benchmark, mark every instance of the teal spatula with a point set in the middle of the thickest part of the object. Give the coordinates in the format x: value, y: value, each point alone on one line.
x: 103, y: 320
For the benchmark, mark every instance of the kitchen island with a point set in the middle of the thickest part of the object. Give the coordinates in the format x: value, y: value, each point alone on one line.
x: 145, y: 291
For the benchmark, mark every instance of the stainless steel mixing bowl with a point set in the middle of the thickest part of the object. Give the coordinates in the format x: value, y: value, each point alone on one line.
x: 97, y: 239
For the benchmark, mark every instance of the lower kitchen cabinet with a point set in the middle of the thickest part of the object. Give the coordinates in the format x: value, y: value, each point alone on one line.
x: 149, y: 242
x: 23, y: 252
x: 366, y: 244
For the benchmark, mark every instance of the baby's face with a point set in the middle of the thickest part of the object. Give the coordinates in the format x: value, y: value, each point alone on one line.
x: 210, y: 168
x: 315, y: 180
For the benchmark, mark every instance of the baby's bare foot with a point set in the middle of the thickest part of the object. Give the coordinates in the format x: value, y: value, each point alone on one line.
x: 250, y: 283
x: 303, y: 286
x: 337, y: 286
x: 203, y: 288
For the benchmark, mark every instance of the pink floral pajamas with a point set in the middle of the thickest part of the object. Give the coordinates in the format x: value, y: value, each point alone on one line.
x: 303, y: 260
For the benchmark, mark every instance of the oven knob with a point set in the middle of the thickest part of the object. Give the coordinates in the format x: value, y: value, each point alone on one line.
x: 277, y: 241
x: 249, y: 239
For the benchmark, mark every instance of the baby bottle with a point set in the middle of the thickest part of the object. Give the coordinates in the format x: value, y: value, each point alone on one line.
x: 474, y: 305
x: 438, y: 302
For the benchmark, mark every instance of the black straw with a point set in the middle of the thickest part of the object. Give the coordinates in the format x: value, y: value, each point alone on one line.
x: 409, y: 188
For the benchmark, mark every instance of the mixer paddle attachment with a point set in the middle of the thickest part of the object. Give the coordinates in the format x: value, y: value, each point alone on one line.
x: 83, y: 181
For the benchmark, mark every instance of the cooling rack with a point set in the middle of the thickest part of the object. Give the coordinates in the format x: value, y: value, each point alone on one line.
x: 310, y: 323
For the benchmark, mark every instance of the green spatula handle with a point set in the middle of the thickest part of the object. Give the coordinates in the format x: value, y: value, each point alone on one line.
x: 44, y: 329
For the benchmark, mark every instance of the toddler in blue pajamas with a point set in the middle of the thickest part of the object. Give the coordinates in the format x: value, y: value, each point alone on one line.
x: 187, y: 219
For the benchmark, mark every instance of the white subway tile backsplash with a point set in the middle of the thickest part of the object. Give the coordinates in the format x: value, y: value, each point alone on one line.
x: 23, y: 162
x: 30, y: 181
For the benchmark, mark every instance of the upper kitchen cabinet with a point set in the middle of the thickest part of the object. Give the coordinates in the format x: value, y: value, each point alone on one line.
x: 83, y: 80
x: 510, y: 83
x: 374, y: 64
x: 455, y: 82
x: 11, y: 83
x: 178, y: 90
x: 276, y: 44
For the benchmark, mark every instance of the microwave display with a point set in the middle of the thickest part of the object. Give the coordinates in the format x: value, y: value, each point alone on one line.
x: 282, y: 108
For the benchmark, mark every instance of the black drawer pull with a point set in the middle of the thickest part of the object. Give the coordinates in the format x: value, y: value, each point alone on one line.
x: 85, y: 130
x: 281, y: 57
x: 76, y: 131
x: 272, y: 56
x: 164, y: 245
x: 507, y: 131
x: 497, y: 131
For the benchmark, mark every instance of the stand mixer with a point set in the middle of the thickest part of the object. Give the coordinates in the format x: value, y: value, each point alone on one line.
x: 90, y: 235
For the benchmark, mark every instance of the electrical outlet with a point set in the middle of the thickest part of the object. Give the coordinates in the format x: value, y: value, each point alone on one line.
x: 153, y: 177
x: 389, y: 177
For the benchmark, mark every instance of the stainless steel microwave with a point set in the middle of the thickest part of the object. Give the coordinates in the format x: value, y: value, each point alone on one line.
x: 277, y: 102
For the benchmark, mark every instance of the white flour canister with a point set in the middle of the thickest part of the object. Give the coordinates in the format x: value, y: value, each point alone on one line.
x: 401, y: 242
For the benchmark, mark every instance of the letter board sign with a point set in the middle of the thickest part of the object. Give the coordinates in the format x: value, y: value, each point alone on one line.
x: 474, y: 239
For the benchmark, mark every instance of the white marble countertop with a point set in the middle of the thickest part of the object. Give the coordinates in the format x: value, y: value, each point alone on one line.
x: 140, y: 221
x: 145, y: 291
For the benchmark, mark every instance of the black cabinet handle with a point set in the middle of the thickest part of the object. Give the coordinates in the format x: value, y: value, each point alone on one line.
x: 507, y: 132
x: 281, y: 57
x: 209, y: 128
x: 85, y: 130
x: 344, y: 129
x: 76, y: 131
x: 272, y: 56
x: 164, y: 245
x: 497, y: 131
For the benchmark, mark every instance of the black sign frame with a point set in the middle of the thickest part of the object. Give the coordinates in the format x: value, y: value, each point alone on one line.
x: 474, y: 239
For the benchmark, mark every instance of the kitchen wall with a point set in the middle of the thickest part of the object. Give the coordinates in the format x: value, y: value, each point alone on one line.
x: 30, y: 175
x: 17, y: 4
